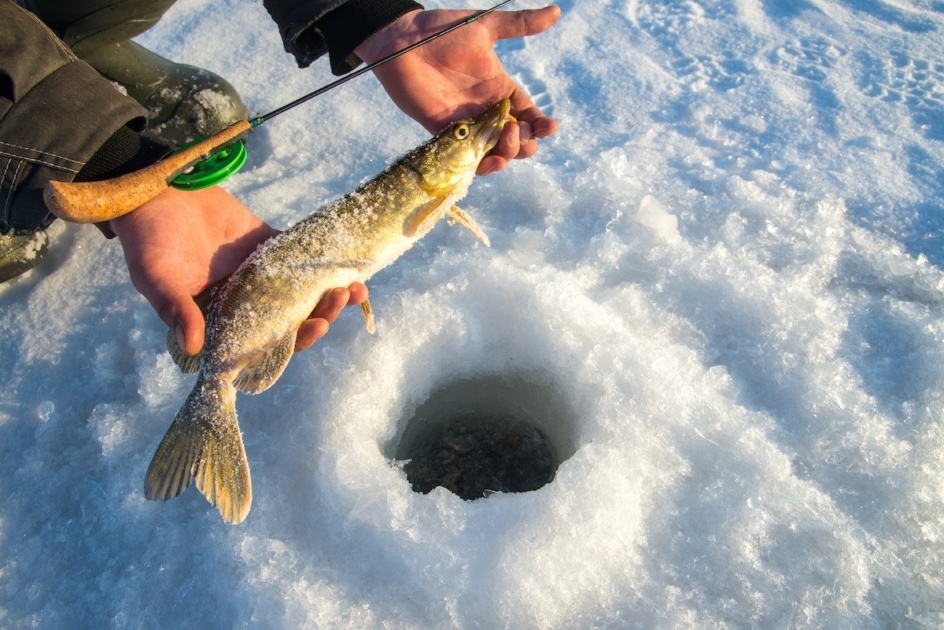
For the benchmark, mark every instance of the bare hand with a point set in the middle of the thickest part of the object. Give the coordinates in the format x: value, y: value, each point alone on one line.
x: 180, y: 243
x: 458, y: 75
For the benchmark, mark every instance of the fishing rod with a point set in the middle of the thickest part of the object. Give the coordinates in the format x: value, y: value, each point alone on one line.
x: 200, y: 164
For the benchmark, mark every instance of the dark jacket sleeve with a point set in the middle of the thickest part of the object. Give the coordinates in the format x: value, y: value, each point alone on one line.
x: 56, y: 112
x: 311, y: 28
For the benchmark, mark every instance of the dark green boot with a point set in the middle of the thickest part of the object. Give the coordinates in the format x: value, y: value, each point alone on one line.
x: 19, y: 254
x: 183, y: 101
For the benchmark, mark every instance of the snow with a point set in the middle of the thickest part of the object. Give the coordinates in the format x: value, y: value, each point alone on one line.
x: 721, y: 283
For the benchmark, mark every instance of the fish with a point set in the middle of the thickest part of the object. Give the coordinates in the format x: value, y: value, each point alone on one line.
x: 252, y: 318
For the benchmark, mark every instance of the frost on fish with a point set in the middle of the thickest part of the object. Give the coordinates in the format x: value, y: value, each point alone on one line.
x: 253, y: 317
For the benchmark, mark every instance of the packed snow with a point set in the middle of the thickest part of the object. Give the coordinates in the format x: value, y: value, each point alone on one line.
x: 720, y: 287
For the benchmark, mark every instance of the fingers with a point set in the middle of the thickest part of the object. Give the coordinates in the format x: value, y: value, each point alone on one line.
x: 510, y: 24
x: 309, y: 332
x: 507, y: 148
x: 509, y: 143
x: 527, y: 113
x: 190, y: 328
x: 170, y: 299
x: 490, y: 164
x: 532, y: 123
x: 331, y: 304
x: 358, y: 293
x: 326, y: 312
x: 181, y: 314
x: 518, y: 140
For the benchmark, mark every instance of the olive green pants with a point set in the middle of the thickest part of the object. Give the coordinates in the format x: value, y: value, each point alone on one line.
x: 55, y: 113
x: 89, y: 24
x: 99, y: 32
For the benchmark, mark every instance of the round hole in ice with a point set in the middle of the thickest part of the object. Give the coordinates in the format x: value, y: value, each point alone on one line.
x: 496, y: 433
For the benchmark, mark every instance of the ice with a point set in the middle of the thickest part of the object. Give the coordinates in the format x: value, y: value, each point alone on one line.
x: 656, y: 217
x: 721, y: 285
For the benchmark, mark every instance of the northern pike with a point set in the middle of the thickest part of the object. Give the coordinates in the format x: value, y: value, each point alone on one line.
x: 252, y: 319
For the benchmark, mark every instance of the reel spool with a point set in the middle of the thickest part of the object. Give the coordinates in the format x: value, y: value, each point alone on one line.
x: 212, y: 170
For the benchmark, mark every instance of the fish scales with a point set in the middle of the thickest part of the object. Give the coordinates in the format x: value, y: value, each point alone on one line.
x: 346, y: 241
x: 253, y: 318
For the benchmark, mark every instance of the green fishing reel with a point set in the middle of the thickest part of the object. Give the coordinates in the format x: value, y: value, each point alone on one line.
x: 212, y: 170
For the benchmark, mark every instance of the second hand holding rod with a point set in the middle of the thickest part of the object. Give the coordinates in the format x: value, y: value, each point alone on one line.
x: 95, y: 202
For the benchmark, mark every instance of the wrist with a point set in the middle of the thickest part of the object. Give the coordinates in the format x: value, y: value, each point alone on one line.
x: 168, y: 198
x: 350, y: 24
x: 391, y: 38
x: 124, y: 152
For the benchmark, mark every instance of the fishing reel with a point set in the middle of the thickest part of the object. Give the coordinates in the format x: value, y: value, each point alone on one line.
x: 211, y: 170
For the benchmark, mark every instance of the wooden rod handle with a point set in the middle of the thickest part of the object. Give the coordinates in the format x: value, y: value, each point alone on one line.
x: 94, y: 202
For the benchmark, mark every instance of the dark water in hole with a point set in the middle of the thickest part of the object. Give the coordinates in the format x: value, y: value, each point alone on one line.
x: 474, y: 456
x: 493, y: 433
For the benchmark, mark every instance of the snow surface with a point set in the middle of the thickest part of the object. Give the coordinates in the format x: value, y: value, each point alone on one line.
x: 728, y: 267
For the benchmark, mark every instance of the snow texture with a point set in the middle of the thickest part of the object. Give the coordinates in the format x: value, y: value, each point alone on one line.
x: 727, y: 267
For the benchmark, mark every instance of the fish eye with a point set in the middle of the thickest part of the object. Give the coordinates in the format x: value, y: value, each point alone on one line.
x: 462, y: 131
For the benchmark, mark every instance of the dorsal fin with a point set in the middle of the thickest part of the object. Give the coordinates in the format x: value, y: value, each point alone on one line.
x: 263, y: 370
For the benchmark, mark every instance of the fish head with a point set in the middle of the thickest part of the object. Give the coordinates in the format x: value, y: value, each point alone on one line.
x: 449, y: 160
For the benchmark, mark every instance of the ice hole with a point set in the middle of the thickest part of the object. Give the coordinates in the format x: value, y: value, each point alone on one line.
x: 495, y: 433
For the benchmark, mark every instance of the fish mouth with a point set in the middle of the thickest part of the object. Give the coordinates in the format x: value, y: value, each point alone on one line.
x: 491, y: 122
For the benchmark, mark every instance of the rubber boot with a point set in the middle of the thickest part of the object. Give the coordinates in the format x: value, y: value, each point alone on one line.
x: 183, y: 102
x: 19, y: 254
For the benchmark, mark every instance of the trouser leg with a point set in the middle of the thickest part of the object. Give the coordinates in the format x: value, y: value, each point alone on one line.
x: 21, y: 252
x: 99, y: 32
x: 89, y: 24
x: 183, y: 102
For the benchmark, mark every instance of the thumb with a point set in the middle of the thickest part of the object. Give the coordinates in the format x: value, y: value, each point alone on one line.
x: 190, y: 328
x: 511, y: 24
x: 182, y: 315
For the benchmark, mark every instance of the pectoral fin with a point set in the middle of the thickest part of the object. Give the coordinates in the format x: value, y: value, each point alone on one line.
x: 424, y: 218
x: 261, y: 372
x: 459, y: 215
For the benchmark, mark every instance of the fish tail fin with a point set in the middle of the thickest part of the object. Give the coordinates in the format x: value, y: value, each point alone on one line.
x: 204, y: 445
